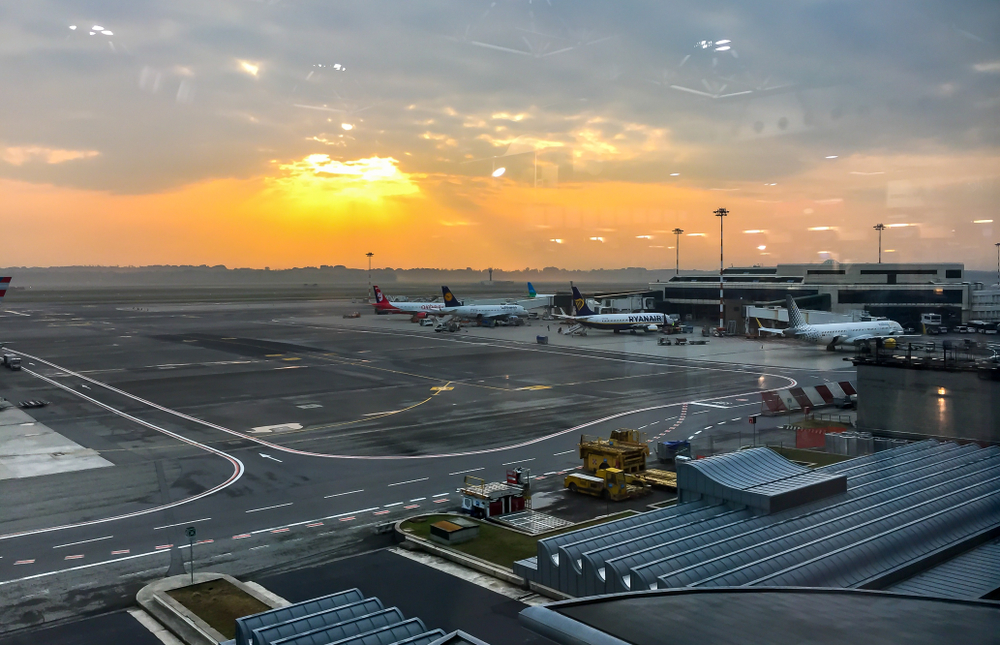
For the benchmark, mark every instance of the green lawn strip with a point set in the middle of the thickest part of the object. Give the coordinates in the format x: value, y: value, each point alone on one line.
x: 497, y: 544
x: 218, y: 603
x: 810, y: 456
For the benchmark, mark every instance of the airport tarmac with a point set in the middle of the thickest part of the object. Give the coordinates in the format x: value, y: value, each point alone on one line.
x: 283, y: 431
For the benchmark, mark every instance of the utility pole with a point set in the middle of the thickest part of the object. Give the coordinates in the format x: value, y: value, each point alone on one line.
x: 677, y: 245
x: 721, y: 214
x: 879, y: 227
x: 369, y: 254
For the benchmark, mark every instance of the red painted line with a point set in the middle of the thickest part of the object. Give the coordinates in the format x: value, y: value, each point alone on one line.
x: 280, y: 530
x: 314, y: 524
x: 346, y: 519
x: 412, y: 506
x: 540, y: 477
x: 73, y: 557
x: 241, y: 536
x: 164, y: 546
x: 380, y: 512
x: 445, y: 499
x: 120, y: 552
x: 203, y: 542
x: 24, y: 562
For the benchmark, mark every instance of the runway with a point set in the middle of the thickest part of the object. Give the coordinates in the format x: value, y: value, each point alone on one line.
x: 279, y: 431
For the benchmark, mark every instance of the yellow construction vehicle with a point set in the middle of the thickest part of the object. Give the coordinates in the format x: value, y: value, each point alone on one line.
x: 609, y: 483
x: 625, y: 450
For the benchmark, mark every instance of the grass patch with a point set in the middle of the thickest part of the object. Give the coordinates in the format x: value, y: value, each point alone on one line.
x: 497, y: 544
x: 810, y: 456
x: 219, y: 603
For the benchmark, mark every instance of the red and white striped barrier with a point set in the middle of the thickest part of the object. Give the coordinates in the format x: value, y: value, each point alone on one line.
x: 800, y: 398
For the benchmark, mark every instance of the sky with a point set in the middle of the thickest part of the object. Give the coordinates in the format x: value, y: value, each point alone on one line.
x: 506, y: 133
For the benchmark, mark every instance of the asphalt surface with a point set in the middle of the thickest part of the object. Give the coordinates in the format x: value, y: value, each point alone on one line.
x: 387, y: 418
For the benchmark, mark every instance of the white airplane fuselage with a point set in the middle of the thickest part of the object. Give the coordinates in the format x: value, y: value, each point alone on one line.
x: 483, y: 311
x: 621, y: 322
x: 840, y: 333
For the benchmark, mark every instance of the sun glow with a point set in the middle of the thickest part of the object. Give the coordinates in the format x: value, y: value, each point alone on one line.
x: 318, y: 176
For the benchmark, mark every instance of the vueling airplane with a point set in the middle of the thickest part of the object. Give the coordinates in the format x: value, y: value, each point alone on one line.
x: 616, y: 322
x: 833, y: 334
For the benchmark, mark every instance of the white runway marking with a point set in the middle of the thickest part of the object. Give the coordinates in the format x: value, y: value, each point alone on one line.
x: 350, y: 492
x: 519, y: 461
x: 238, y: 467
x: 204, y: 519
x: 471, y: 470
x: 82, y: 566
x: 410, y: 481
x: 566, y: 452
x: 711, y: 405
x: 441, y: 494
x: 267, y: 508
x: 106, y: 537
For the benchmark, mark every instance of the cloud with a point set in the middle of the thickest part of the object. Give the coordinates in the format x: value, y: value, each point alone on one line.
x: 19, y: 155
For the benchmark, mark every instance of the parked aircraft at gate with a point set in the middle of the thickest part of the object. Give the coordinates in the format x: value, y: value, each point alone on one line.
x: 382, y: 305
x: 477, y: 312
x: 616, y: 322
x: 833, y: 334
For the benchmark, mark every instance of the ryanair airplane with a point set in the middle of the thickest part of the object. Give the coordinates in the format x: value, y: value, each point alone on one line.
x: 616, y: 322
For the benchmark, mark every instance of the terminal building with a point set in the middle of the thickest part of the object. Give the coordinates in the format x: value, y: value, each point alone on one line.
x: 901, y: 292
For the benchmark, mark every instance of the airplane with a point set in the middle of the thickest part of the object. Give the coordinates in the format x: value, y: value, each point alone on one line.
x: 477, y: 312
x: 532, y: 294
x: 834, y: 334
x: 384, y: 306
x: 5, y: 284
x: 616, y: 322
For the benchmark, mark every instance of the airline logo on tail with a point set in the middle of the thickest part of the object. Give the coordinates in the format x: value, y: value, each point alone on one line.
x: 580, y: 304
x: 531, y: 291
x: 4, y: 285
x: 449, y: 297
x: 379, y: 298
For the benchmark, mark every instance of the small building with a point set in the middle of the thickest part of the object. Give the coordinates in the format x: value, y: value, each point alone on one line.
x: 491, y: 499
x: 454, y: 531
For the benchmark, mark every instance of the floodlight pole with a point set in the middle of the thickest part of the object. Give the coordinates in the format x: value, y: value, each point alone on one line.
x: 369, y: 254
x: 677, y: 246
x: 721, y: 214
x: 998, y: 263
x: 879, y: 227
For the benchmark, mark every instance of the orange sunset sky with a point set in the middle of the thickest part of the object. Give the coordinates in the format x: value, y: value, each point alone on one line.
x: 194, y: 134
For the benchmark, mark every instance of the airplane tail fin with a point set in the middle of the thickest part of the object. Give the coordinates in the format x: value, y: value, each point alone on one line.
x: 4, y: 285
x: 379, y: 298
x: 580, y: 304
x: 795, y: 317
x: 531, y: 291
x: 449, y: 298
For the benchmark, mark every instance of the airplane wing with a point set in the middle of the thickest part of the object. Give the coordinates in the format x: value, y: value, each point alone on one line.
x: 772, y: 330
x: 870, y: 337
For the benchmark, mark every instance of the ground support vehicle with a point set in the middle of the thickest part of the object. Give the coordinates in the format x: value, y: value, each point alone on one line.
x: 626, y: 450
x: 607, y: 483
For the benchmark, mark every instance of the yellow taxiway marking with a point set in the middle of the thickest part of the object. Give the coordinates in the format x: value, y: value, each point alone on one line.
x: 441, y: 388
x: 273, y: 355
x: 294, y: 358
x: 535, y: 387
